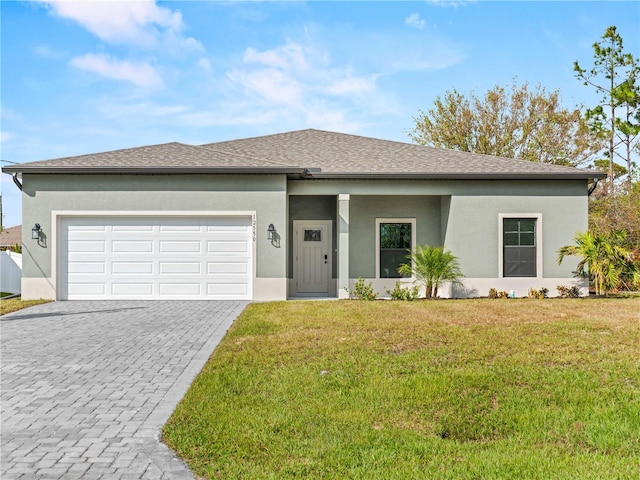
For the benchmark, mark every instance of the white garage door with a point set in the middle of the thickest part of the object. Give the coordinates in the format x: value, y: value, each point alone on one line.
x: 164, y: 258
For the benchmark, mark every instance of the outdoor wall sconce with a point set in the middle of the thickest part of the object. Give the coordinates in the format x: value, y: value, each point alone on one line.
x: 35, y: 232
x: 271, y: 230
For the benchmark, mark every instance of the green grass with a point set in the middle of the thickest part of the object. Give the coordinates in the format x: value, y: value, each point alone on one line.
x: 15, y: 304
x: 400, y: 390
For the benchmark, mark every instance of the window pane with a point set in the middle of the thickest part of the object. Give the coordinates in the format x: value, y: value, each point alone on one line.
x: 527, y: 239
x: 395, y: 243
x: 520, y: 261
x: 511, y: 224
x: 527, y: 225
x: 390, y: 260
x: 395, y: 235
x: 312, y: 235
x: 519, y: 246
x: 511, y: 239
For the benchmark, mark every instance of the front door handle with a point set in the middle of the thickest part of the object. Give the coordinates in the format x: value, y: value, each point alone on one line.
x: 326, y: 258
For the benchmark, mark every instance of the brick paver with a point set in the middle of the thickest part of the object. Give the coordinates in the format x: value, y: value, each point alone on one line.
x: 87, y: 386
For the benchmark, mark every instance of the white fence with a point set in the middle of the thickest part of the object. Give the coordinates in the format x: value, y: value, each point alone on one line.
x: 10, y: 271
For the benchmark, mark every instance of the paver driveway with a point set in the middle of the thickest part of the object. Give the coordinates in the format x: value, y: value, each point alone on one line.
x: 86, y: 386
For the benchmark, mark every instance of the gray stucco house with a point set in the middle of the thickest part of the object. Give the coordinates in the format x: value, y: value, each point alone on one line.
x: 302, y: 213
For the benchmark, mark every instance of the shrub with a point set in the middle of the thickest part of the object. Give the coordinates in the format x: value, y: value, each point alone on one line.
x: 403, y: 293
x: 606, y: 260
x: 568, y: 292
x: 361, y: 291
x: 493, y: 293
x: 431, y: 267
x: 542, y: 293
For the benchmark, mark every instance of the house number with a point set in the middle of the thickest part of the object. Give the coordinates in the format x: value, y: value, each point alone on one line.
x: 253, y: 227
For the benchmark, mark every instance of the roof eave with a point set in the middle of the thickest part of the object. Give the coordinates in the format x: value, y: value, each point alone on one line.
x: 582, y: 175
x: 155, y: 170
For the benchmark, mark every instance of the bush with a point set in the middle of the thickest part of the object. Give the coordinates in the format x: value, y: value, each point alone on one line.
x: 542, y: 293
x: 403, y: 293
x: 566, y: 292
x: 493, y: 293
x: 361, y: 291
x: 432, y: 266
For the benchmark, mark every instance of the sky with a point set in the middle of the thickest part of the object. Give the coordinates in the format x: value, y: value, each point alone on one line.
x: 81, y: 77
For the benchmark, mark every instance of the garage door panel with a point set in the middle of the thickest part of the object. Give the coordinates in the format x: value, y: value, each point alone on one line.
x: 128, y: 246
x: 177, y: 227
x: 156, y: 257
x: 132, y: 228
x: 227, y: 267
x: 180, y: 268
x: 128, y: 268
x: 223, y: 289
x: 86, y: 228
x: 86, y: 289
x: 227, y: 246
x: 177, y: 289
x: 86, y: 267
x: 174, y: 246
x: 93, y: 246
x: 132, y: 289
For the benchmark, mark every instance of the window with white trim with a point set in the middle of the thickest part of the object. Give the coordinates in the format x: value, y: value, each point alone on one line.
x: 394, y: 240
x: 520, y: 247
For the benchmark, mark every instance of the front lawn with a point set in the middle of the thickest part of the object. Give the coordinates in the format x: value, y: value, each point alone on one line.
x: 14, y: 304
x: 429, y: 389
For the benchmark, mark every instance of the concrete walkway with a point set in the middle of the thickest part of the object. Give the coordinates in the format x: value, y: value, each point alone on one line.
x: 87, y: 386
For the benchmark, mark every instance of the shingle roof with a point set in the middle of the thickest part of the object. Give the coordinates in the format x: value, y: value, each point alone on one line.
x: 314, y: 153
x: 10, y: 236
x: 338, y: 154
x: 166, y: 156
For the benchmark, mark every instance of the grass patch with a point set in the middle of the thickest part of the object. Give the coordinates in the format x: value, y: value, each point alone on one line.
x: 15, y: 304
x: 443, y: 389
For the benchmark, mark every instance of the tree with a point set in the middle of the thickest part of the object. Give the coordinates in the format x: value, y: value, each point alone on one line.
x: 604, y: 259
x: 614, y: 75
x: 432, y: 266
x: 609, y: 213
x: 516, y: 122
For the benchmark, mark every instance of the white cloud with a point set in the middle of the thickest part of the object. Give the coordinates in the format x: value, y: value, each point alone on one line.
x: 141, y: 74
x: 353, y: 85
x: 414, y: 20
x: 204, y: 64
x: 5, y: 137
x: 141, y: 22
x: 269, y: 84
x: 289, y: 56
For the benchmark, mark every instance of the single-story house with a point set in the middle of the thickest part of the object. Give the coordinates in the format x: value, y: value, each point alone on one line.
x: 303, y: 213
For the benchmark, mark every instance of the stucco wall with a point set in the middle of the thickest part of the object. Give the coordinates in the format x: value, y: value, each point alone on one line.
x: 472, y: 229
x: 467, y: 217
x: 365, y: 209
x: 266, y: 195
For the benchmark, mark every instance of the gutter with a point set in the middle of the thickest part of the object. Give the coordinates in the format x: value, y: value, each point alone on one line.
x: 16, y: 181
x: 156, y: 170
x: 460, y: 176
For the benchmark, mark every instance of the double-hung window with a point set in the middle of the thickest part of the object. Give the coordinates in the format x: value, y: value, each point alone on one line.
x: 395, y: 238
x: 520, y: 247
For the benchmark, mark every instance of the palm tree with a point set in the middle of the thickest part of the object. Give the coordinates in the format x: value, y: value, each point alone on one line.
x: 604, y: 259
x: 432, y: 266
